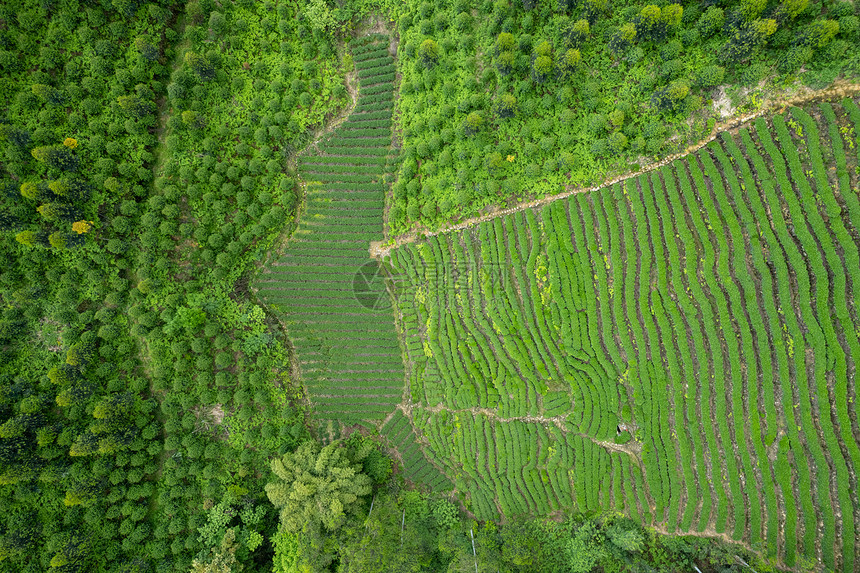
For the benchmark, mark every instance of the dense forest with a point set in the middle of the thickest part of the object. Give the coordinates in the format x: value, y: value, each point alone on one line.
x: 158, y: 409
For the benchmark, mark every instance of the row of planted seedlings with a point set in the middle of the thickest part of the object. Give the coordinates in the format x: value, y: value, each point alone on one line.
x: 802, y: 441
x: 398, y: 432
x: 348, y: 351
x: 459, y: 254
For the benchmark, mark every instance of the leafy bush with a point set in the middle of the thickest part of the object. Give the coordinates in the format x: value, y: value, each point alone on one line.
x: 710, y: 76
x: 429, y: 53
x: 473, y: 123
x: 711, y: 21
x: 584, y: 549
x: 794, y: 58
x: 622, y: 39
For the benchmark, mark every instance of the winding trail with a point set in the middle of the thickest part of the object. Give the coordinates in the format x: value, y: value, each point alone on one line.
x: 558, y: 421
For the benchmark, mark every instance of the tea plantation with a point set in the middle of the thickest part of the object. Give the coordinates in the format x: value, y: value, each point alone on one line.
x: 680, y: 347
x: 373, y: 286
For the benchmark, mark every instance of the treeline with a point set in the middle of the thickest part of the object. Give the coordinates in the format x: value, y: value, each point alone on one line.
x: 340, y: 512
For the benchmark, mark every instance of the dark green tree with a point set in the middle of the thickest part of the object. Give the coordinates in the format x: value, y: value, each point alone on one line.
x: 746, y: 40
x: 506, y: 105
x: 711, y: 21
x: 201, y: 65
x: 146, y: 47
x: 622, y: 39
x: 473, y: 123
x: 429, y: 53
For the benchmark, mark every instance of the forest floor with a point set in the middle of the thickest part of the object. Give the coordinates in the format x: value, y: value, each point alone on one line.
x: 840, y: 89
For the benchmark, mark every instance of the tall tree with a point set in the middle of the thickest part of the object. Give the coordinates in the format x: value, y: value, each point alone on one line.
x: 317, y: 484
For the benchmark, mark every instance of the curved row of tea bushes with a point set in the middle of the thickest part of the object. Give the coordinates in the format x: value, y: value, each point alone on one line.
x: 703, y: 317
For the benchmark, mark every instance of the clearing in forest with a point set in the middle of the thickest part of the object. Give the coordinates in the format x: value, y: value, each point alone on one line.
x: 681, y: 347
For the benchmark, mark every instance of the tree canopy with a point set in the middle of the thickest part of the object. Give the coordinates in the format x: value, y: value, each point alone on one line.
x: 317, y: 484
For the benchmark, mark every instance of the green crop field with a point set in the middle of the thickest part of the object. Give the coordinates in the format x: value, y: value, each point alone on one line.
x: 348, y: 352
x: 328, y: 291
x: 680, y: 347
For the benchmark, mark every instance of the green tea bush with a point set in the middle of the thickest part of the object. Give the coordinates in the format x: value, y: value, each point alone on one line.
x: 710, y: 76
x: 473, y: 124
x: 429, y: 53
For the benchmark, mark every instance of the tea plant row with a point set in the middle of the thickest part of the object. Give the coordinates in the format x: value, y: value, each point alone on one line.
x: 703, y: 317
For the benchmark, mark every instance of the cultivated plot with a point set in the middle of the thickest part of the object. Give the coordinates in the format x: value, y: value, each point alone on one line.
x: 681, y: 347
x: 333, y: 298
x: 326, y: 289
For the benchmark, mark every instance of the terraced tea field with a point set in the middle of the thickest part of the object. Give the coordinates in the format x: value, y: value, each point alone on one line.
x: 326, y: 289
x: 681, y: 347
x: 347, y: 350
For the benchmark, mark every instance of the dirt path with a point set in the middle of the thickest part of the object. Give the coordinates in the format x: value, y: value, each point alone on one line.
x: 839, y: 90
x: 558, y: 421
x: 338, y: 119
x: 159, y: 154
